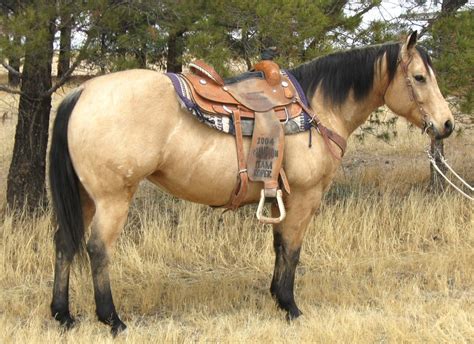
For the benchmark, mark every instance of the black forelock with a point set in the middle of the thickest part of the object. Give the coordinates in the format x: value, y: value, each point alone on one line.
x: 340, y: 72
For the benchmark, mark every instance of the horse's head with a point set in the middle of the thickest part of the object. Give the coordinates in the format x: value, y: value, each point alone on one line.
x: 414, y: 93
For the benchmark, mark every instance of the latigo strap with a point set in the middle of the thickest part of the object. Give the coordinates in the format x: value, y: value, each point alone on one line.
x: 241, y: 187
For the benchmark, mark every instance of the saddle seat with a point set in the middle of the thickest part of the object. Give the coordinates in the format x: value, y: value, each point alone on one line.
x: 251, y: 94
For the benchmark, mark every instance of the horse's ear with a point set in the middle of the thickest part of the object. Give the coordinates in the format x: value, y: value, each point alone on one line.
x: 411, y: 40
x: 409, y: 44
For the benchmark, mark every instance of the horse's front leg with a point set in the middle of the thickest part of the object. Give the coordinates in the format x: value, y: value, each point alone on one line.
x: 287, y: 239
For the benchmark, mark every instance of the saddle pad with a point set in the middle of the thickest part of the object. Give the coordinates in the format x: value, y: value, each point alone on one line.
x: 225, y: 124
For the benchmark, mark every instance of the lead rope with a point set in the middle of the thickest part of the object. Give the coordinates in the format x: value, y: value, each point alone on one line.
x: 433, y: 162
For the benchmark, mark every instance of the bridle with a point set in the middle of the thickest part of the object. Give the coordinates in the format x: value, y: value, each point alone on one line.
x: 411, y: 92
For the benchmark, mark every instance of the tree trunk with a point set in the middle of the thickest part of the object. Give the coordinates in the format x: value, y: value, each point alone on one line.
x: 103, y: 53
x: 26, y: 177
x: 13, y: 78
x: 437, y: 183
x: 64, y: 60
x: 174, y: 63
x: 451, y: 6
x: 140, y: 56
x: 14, y: 62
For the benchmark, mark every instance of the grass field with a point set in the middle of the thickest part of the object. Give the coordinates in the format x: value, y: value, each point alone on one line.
x: 384, y: 262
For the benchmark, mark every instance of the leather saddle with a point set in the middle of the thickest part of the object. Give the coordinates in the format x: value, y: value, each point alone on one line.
x: 267, y: 96
x: 252, y: 94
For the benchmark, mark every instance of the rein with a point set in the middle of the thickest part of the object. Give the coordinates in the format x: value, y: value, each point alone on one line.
x: 325, y: 132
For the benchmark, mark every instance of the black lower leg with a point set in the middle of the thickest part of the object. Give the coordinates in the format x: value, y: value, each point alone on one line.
x: 60, y: 302
x: 105, y: 308
x: 284, y: 276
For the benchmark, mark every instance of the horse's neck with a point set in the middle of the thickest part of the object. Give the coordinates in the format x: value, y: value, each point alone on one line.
x: 347, y: 117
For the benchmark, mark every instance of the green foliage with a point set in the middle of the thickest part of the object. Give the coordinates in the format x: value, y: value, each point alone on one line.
x: 452, y: 46
x: 29, y: 21
x: 239, y: 30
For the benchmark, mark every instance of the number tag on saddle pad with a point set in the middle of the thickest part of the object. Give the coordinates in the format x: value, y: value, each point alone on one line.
x: 266, y: 152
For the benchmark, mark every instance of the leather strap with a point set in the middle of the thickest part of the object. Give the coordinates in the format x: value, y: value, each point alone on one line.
x: 325, y: 132
x: 201, y: 67
x: 284, y: 181
x: 411, y: 89
x: 241, y: 187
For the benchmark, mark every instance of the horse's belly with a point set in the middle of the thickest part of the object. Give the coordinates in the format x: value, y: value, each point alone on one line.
x: 201, y: 168
x: 201, y: 190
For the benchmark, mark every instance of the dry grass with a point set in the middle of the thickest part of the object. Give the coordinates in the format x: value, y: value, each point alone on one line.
x: 384, y: 262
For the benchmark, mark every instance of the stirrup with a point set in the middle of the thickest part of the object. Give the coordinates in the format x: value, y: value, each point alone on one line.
x: 281, y: 207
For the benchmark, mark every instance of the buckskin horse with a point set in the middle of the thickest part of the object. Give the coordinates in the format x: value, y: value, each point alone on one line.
x: 116, y: 130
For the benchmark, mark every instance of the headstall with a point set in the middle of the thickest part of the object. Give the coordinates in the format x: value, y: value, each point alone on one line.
x: 424, y: 114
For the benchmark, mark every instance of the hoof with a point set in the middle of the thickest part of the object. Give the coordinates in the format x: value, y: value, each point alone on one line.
x: 65, y: 320
x: 293, y: 314
x: 118, y: 328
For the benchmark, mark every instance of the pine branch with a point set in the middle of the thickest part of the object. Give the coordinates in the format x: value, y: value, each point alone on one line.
x: 67, y: 74
x: 80, y: 56
x: 11, y: 69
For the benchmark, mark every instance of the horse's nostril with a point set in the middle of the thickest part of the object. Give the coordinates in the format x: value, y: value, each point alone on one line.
x: 448, y: 126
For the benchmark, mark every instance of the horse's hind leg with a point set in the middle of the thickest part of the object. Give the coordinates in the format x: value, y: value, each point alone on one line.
x: 287, y: 239
x: 60, y: 303
x: 111, y: 214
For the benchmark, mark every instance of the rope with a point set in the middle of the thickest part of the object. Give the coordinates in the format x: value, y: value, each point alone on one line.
x: 433, y: 162
x: 453, y: 172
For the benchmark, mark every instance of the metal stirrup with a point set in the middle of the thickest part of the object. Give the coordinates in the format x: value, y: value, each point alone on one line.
x: 281, y: 207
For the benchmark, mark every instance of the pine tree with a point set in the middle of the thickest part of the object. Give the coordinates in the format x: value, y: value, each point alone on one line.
x: 35, y: 22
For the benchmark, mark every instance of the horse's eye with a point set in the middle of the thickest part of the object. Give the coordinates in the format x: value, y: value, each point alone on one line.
x: 420, y: 78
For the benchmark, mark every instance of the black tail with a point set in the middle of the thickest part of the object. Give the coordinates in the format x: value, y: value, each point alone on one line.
x: 69, y: 237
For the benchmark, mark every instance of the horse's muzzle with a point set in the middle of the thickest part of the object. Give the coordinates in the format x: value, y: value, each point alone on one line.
x: 447, y: 130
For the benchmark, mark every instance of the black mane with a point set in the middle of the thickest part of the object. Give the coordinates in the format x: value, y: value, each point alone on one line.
x: 340, y: 72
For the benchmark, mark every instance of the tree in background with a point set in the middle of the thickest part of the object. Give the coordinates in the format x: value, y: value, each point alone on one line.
x: 27, y: 170
x: 66, y: 23
x: 13, y: 41
x: 36, y: 23
x: 452, y: 43
x: 239, y: 30
x: 452, y: 46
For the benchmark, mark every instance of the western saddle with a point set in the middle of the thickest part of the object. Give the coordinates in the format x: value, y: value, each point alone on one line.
x: 270, y: 97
